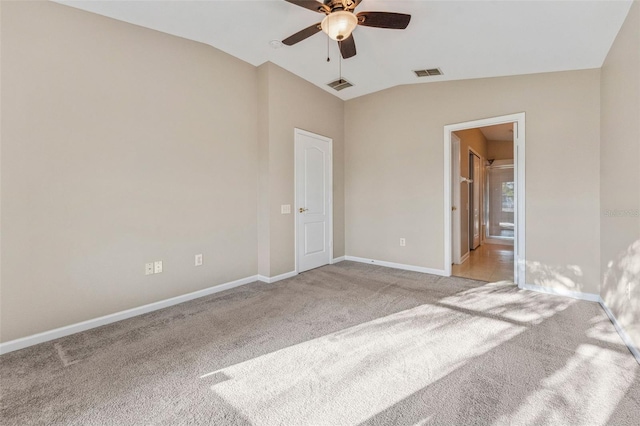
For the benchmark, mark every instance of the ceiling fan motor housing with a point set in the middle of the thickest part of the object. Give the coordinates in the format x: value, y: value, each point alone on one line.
x: 340, y: 4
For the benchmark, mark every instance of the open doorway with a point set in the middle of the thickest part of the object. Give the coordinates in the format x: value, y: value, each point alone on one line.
x: 485, y: 199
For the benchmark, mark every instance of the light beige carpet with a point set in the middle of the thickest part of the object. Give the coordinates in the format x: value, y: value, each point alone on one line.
x: 347, y: 344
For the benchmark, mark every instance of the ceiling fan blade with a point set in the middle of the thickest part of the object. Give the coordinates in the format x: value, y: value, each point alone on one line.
x: 347, y: 47
x: 311, y: 5
x: 395, y: 21
x: 301, y: 35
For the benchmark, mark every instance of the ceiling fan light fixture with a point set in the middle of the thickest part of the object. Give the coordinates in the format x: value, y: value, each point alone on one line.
x: 339, y: 25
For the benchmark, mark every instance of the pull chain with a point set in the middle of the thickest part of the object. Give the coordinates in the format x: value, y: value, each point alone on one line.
x: 340, y: 59
x: 328, y: 41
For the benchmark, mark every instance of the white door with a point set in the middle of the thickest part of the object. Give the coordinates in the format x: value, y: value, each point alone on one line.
x: 313, y: 200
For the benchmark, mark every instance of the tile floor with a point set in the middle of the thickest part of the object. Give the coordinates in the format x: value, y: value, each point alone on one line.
x: 489, y: 262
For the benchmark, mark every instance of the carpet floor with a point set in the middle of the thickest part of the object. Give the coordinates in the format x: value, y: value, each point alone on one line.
x: 345, y: 344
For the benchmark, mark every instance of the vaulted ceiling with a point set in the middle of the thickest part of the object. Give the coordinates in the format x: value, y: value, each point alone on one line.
x: 465, y: 39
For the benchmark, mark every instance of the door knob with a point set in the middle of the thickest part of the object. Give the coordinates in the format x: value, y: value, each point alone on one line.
x: 302, y: 210
x: 454, y: 208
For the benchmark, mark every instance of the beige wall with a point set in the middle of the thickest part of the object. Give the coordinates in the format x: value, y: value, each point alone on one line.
x: 264, y: 217
x: 500, y: 150
x: 295, y: 103
x: 394, y: 170
x: 120, y: 146
x: 619, y: 186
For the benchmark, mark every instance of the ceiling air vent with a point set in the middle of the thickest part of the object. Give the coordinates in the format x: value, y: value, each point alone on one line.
x: 431, y: 72
x: 339, y: 84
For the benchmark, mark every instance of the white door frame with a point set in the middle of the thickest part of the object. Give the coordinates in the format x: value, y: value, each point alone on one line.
x: 519, y: 177
x: 297, y: 132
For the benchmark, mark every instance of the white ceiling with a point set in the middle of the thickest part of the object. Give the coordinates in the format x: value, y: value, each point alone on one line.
x: 466, y: 39
x: 499, y: 132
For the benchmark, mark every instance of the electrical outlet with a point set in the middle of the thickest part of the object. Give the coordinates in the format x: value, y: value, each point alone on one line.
x: 198, y: 260
x: 148, y: 268
x: 403, y: 242
x: 157, y: 266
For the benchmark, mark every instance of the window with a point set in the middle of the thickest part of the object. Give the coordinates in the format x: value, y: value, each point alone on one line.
x: 500, y: 207
x: 507, y: 197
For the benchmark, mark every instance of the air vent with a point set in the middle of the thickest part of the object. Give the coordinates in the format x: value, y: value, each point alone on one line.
x: 339, y: 84
x: 431, y: 72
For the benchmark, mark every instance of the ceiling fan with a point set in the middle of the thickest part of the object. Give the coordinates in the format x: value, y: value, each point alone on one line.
x: 340, y: 21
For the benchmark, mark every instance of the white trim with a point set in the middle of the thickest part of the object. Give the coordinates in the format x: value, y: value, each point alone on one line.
x: 589, y: 297
x: 623, y: 334
x: 476, y: 153
x: 271, y: 280
x: 448, y: 232
x: 518, y: 147
x: 57, y: 333
x: 519, y: 176
x: 297, y: 131
x: 337, y: 260
x: 396, y: 265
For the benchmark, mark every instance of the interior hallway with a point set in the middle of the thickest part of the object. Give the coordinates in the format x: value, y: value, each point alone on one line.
x: 489, y: 262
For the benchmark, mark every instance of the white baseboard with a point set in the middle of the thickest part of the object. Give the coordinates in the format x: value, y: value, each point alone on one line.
x: 271, y: 280
x: 337, y: 259
x: 623, y: 334
x: 57, y: 333
x: 590, y: 297
x: 422, y: 269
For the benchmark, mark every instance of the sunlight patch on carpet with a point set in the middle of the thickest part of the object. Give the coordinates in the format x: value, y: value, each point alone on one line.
x: 586, y: 389
x: 351, y: 375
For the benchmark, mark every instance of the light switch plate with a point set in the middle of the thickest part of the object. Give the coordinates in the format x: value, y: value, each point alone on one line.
x: 403, y: 242
x: 285, y: 209
x: 157, y: 266
x: 198, y: 260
